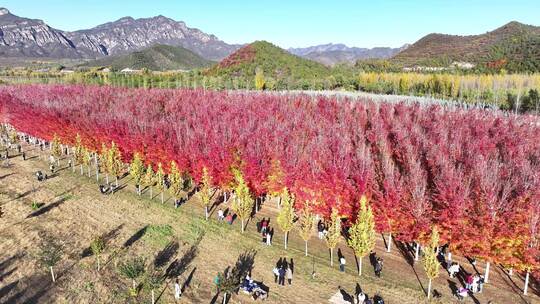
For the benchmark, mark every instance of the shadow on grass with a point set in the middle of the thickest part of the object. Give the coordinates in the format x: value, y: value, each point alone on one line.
x: 165, y: 255
x: 47, y: 208
x: 135, y: 237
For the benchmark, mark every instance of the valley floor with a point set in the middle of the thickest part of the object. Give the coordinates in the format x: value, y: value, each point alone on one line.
x: 74, y: 212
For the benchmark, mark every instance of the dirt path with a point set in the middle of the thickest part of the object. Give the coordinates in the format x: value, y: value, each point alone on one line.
x: 75, y: 212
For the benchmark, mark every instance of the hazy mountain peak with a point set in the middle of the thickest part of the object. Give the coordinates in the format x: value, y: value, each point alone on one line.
x: 3, y: 11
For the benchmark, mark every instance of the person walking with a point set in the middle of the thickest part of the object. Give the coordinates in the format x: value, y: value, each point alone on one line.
x: 342, y: 263
x: 220, y: 215
x: 378, y: 267
x: 276, y: 274
x: 264, y: 226
x: 453, y: 269
x: 289, y: 275
x: 269, y: 238
x: 177, y: 290
x: 361, y: 298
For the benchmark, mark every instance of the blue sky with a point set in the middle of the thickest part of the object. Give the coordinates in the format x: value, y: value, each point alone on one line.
x: 296, y: 23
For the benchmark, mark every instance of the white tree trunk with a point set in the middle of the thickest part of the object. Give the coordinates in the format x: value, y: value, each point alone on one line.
x: 242, y: 223
x: 525, y: 289
x: 107, y: 178
x: 331, y: 257
x: 52, y: 274
x: 486, y: 276
x: 511, y: 271
x: 162, y: 200
x: 429, y: 289
x: 286, y: 233
x: 206, y: 212
x: 417, y: 250
x: 82, y: 172
x: 257, y: 205
x: 153, y: 298
x: 224, y: 197
x: 360, y: 266
x: 139, y: 189
x: 97, y: 257
x: 116, y: 181
x: 224, y: 298
x: 306, y: 247
x: 389, y: 242
x: 151, y: 192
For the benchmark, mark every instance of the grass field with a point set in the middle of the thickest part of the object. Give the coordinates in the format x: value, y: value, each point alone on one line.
x: 180, y: 243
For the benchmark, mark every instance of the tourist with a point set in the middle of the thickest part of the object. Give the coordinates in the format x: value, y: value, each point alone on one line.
x: 269, y: 238
x: 264, y: 226
x: 289, y: 275
x: 229, y: 218
x: 276, y: 274
x: 469, y: 281
x: 378, y: 267
x: 342, y: 263
x: 220, y: 215
x: 216, y: 282
x: 453, y: 269
x: 177, y: 290
x: 281, y: 279
x: 320, y: 229
x: 24, y: 155
x: 462, y: 293
x: 474, y: 285
x: 481, y: 282
x: 361, y: 297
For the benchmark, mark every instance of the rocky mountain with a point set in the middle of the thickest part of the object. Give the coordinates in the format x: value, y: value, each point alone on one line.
x: 22, y: 37
x: 155, y: 58
x: 331, y: 54
x: 514, y: 44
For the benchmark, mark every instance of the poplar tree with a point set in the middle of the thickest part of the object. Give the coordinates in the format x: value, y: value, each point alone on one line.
x: 149, y: 178
x: 79, y: 152
x: 334, y: 232
x: 243, y: 201
x: 206, y: 189
x: 285, y: 217
x: 160, y: 175
x: 104, y: 161
x: 259, y: 79
x: 431, y: 264
x: 306, y: 223
x: 115, y: 161
x: 97, y: 246
x: 56, y: 150
x: 362, y: 232
x: 136, y: 170
x: 176, y: 181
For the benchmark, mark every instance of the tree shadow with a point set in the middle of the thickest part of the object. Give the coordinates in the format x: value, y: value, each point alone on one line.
x: 47, y: 208
x: 178, y: 266
x: 5, y: 290
x: 164, y: 256
x: 4, y: 275
x: 6, y: 175
x: 7, y: 262
x: 39, y: 283
x: 406, y: 253
x: 188, y: 280
x: 135, y: 237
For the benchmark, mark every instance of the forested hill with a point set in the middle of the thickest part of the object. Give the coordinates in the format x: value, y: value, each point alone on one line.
x: 514, y: 47
x: 272, y: 60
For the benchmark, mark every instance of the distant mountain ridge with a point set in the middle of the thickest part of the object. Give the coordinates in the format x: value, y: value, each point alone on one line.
x: 23, y: 37
x: 331, y: 54
x: 155, y: 58
x: 512, y: 44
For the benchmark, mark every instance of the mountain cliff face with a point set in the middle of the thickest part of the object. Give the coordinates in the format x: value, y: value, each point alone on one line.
x: 22, y: 37
x: 331, y: 54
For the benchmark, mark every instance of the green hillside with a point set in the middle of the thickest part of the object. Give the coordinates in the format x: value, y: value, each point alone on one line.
x: 156, y: 58
x: 514, y: 47
x: 272, y: 60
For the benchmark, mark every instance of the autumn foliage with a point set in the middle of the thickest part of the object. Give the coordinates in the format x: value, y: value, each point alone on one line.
x: 473, y: 173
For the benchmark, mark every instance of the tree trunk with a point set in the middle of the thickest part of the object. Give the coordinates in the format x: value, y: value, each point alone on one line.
x: 89, y: 171
x: 206, y: 212
x: 389, y: 248
x: 82, y: 170
x: 224, y: 298
x: 224, y: 197
x: 242, y: 223
x: 151, y: 192
x: 360, y: 266
x: 139, y: 189
x: 416, y: 251
x: 525, y: 289
x: 73, y: 168
x: 429, y: 289
x: 153, y: 298
x: 97, y: 257
x: 257, y: 205
x: 331, y: 257
x: 52, y: 274
x: 116, y: 181
x: 511, y: 271
x: 133, y: 281
x: 162, y: 199
x: 306, y: 247
x: 286, y: 234
x: 486, y: 276
x: 107, y: 178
